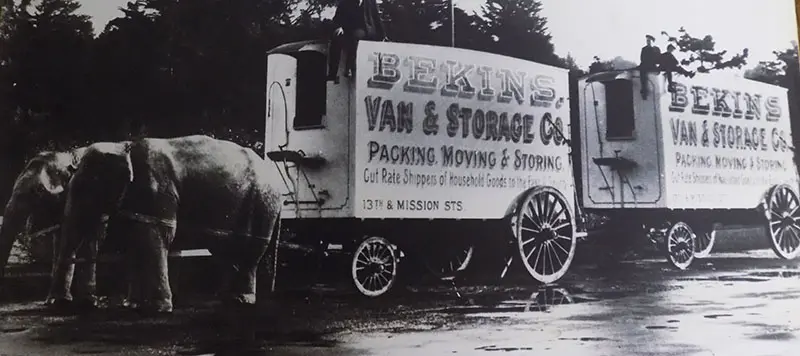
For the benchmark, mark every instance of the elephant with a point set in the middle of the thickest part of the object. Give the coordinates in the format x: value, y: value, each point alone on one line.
x: 39, y: 194
x: 217, y: 191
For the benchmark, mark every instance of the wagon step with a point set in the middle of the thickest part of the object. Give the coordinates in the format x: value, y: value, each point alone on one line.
x: 296, y: 157
x: 616, y: 163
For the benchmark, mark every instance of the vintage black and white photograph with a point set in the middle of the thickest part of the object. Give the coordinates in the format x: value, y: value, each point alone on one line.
x: 398, y: 177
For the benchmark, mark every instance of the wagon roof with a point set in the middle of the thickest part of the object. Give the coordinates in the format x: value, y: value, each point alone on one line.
x: 310, y: 45
x: 607, y: 75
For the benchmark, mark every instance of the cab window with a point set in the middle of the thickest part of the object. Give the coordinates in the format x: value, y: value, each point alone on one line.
x: 311, y: 90
x: 620, y: 123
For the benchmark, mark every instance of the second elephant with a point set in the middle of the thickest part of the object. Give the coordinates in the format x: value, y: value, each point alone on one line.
x: 154, y: 191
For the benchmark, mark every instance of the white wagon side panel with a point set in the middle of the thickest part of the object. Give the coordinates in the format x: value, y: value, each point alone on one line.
x: 416, y: 158
x: 727, y: 141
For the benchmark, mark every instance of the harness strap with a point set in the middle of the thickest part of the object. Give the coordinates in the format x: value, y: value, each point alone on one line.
x: 55, y: 227
x: 44, y: 231
x: 228, y: 233
x: 147, y: 219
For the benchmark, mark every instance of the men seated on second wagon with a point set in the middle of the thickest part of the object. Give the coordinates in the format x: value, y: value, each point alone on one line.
x: 354, y: 20
x: 670, y: 64
x: 652, y: 60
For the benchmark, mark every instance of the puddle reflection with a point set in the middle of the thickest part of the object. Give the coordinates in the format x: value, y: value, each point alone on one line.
x: 545, y: 298
x: 541, y: 300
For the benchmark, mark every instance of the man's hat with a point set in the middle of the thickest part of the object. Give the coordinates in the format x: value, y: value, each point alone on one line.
x: 670, y: 47
x: 650, y: 37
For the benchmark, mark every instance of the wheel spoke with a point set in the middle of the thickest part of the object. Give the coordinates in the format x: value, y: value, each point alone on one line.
x: 535, y: 231
x: 547, y: 258
x: 559, y: 227
x: 561, y: 247
x: 538, y: 257
x: 564, y: 237
x: 539, y: 207
x: 547, y: 207
x: 529, y: 214
x: 528, y: 256
x: 552, y: 205
x: 555, y: 252
x: 555, y: 215
x: 795, y: 238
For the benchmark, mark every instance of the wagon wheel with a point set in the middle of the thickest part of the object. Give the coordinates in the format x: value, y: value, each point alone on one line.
x: 453, y: 262
x: 544, y: 230
x: 782, y: 217
x: 704, y: 242
x: 374, y: 267
x: 680, y: 242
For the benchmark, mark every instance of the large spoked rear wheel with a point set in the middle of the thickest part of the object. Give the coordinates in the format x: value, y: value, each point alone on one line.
x: 374, y: 267
x: 782, y: 216
x: 544, y: 230
x: 680, y: 245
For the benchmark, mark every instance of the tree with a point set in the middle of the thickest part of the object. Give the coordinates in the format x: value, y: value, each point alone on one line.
x: 45, y: 60
x: 701, y: 51
x: 518, y: 30
x: 784, y: 70
x: 616, y: 63
x: 429, y: 22
x: 780, y: 71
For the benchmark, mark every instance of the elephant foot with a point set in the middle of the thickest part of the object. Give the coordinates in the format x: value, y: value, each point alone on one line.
x: 58, y: 303
x: 153, y: 312
x: 130, y: 304
x: 242, y: 299
x: 153, y: 309
x: 70, y: 305
x: 85, y: 304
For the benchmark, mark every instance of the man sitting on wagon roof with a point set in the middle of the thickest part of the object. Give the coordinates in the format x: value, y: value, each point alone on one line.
x: 648, y: 62
x: 354, y: 20
x: 670, y: 64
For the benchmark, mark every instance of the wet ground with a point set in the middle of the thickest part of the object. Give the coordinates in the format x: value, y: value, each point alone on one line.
x: 731, y: 303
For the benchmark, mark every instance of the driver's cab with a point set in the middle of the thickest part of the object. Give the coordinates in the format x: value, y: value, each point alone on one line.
x: 621, y: 131
x: 308, y: 130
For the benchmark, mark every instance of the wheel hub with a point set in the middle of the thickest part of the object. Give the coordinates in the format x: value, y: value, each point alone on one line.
x: 548, y: 233
x: 786, y: 219
x: 375, y: 266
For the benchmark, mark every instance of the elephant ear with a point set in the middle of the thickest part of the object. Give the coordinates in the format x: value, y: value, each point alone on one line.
x: 51, y: 184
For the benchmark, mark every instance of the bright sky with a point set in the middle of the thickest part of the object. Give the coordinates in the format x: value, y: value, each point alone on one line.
x: 610, y: 28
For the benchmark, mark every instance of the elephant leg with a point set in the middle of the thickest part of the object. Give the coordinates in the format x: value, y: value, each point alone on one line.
x: 84, y: 287
x: 63, y: 272
x: 135, y: 297
x: 243, y: 282
x: 153, y: 249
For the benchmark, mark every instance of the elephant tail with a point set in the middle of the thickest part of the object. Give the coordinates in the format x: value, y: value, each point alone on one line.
x: 267, y: 219
x: 274, y: 244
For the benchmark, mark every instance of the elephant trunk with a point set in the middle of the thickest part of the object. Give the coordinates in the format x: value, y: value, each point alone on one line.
x: 14, y: 220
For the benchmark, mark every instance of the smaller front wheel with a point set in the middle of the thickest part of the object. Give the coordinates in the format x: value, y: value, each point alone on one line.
x: 374, y: 267
x: 680, y: 245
